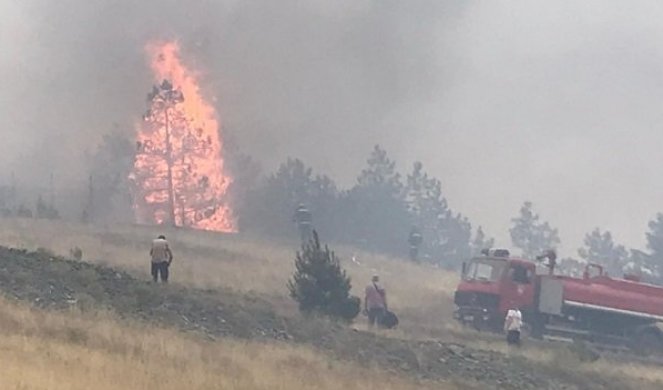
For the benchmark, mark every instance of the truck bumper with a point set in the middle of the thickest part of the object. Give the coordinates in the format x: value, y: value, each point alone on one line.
x: 477, y: 317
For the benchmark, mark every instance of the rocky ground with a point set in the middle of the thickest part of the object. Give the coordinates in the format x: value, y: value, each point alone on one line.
x: 50, y: 282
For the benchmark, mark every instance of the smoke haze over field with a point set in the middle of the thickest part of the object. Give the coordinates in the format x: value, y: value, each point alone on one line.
x: 553, y: 102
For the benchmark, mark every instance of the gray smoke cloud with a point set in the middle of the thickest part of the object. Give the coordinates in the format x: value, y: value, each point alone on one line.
x: 554, y: 102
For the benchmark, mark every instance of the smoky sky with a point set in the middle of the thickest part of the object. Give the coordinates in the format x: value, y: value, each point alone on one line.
x: 554, y: 102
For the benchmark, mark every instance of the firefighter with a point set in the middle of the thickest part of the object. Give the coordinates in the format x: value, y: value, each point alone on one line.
x: 162, y: 257
x: 304, y: 221
x: 375, y: 302
x: 512, y: 325
x: 552, y: 257
x: 415, y: 239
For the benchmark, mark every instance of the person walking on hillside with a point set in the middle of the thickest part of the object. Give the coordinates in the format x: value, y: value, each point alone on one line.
x: 304, y: 222
x: 415, y: 239
x: 512, y: 325
x: 375, y: 302
x: 161, y: 259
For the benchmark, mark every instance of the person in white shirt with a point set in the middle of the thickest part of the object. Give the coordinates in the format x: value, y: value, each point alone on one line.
x: 512, y: 324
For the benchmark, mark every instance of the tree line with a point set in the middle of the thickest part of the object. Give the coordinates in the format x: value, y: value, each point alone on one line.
x: 376, y: 213
x: 533, y: 236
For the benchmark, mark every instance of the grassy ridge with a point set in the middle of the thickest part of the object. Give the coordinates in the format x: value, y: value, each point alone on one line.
x: 51, y: 282
x: 92, y: 351
x: 246, y: 268
x: 420, y: 294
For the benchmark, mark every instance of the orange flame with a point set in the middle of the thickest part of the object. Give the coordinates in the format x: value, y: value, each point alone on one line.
x: 178, y: 171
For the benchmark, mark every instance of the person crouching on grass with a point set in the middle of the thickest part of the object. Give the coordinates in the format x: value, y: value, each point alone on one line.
x: 161, y: 259
x: 512, y: 325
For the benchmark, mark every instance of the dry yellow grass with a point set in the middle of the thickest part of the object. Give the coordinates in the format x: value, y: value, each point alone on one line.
x: 420, y: 294
x: 561, y: 357
x: 54, y: 351
x: 47, y: 350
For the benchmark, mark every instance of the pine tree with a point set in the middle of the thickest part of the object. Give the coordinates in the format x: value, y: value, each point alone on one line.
x: 109, y: 196
x: 530, y: 234
x: 162, y: 118
x: 320, y: 285
x: 448, y: 234
x: 22, y: 211
x: 41, y: 207
x: 655, y: 236
x: 46, y: 211
x: 375, y: 214
x: 247, y: 178
x: 654, y: 261
x: 600, y: 248
x: 166, y: 176
x: 571, y: 267
x: 425, y: 200
x: 456, y: 234
x: 269, y: 208
x: 481, y: 242
x: 381, y: 173
x: 644, y: 265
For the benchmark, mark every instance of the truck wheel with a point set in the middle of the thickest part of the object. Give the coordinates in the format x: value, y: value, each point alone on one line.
x: 538, y: 327
x: 648, y: 342
x: 478, y: 323
x: 481, y: 324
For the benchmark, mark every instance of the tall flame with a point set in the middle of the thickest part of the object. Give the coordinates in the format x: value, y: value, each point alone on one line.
x: 178, y: 171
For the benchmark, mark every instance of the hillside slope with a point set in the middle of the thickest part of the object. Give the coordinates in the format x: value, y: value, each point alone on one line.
x: 48, y: 281
x: 46, y: 350
x: 421, y: 295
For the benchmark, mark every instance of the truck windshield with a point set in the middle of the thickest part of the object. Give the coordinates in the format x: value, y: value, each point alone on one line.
x: 484, y: 270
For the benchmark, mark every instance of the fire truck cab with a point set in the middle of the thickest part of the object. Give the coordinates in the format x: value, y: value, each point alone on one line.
x: 491, y: 285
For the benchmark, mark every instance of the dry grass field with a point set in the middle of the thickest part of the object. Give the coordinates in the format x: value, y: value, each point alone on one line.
x: 420, y: 294
x: 48, y: 350
x: 92, y: 351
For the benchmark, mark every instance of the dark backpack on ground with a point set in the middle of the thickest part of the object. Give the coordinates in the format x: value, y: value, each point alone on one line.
x: 390, y: 320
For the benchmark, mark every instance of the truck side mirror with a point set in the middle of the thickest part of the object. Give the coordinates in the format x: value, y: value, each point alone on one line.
x: 464, y: 268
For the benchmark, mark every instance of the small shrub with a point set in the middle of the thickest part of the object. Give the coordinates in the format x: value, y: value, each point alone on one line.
x: 45, y: 253
x: 76, y: 253
x: 320, y: 284
x: 23, y: 212
x: 46, y: 211
x: 85, y: 302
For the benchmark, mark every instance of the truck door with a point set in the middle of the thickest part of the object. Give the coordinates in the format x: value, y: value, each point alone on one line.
x: 518, y: 287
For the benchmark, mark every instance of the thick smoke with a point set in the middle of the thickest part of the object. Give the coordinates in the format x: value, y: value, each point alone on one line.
x: 554, y: 102
x: 288, y: 76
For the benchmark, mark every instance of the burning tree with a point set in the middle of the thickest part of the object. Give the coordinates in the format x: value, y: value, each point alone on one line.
x: 178, y: 173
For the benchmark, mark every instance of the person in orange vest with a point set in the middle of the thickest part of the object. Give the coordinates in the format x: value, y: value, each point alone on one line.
x: 162, y: 257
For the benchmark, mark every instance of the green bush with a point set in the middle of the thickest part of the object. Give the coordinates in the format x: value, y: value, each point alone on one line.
x: 320, y: 285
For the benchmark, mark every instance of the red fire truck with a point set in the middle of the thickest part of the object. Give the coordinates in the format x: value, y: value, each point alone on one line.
x: 595, y: 307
